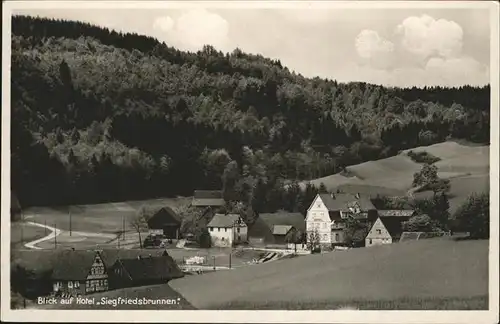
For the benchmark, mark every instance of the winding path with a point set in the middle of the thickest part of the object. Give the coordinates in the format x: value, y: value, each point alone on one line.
x: 54, y: 232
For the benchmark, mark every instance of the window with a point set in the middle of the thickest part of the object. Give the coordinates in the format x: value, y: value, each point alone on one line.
x: 70, y: 284
x: 379, y: 231
x: 225, y: 229
x: 238, y: 230
x: 337, y: 237
x: 218, y: 229
x: 222, y: 239
x: 77, y: 284
x: 370, y: 241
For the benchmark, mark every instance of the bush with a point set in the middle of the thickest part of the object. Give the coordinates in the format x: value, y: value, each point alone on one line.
x: 474, y: 216
x: 423, y: 157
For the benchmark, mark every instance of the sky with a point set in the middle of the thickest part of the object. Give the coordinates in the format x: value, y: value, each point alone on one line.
x: 392, y: 47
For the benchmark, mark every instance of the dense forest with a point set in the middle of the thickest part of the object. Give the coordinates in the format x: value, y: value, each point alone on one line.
x: 99, y: 115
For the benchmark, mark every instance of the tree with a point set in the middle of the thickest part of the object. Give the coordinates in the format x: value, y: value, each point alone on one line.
x: 294, y: 237
x: 473, y: 216
x: 204, y: 240
x: 427, y: 175
x: 355, y: 232
x: 313, y: 241
x: 229, y: 179
x: 140, y: 222
x: 418, y: 223
x: 439, y: 211
x: 427, y: 179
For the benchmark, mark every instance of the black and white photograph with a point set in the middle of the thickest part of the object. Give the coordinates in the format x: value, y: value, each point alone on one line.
x: 325, y: 157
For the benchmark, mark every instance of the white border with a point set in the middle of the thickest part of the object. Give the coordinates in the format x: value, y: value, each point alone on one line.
x: 489, y: 317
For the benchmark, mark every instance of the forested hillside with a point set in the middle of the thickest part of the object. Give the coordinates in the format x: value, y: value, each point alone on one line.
x: 98, y: 115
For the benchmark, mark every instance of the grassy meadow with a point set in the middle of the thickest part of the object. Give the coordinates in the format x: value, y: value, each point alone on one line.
x: 467, y: 167
x: 435, y: 273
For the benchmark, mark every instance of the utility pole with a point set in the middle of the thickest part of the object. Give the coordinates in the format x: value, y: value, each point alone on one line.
x: 230, y: 259
x: 22, y: 227
x: 214, y: 262
x: 55, y: 236
x: 123, y: 227
x: 45, y: 227
x: 70, y: 221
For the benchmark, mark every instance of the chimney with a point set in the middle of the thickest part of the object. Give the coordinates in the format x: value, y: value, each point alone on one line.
x: 357, y: 195
x: 332, y: 195
x: 139, y: 257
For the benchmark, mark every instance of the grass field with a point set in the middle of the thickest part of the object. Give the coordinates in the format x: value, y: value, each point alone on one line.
x: 22, y: 233
x: 100, y: 218
x: 436, y: 273
x: 466, y: 166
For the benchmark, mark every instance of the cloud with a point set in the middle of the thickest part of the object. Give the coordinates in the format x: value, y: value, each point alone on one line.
x: 437, y: 71
x: 193, y: 29
x: 425, y: 36
x: 374, y: 49
x: 427, y: 52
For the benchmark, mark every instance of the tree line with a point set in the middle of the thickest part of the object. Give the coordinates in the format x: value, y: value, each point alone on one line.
x: 99, y: 115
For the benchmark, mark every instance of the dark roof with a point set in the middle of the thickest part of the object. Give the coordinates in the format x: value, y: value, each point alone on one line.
x: 73, y: 265
x: 165, y: 216
x: 270, y: 225
x: 296, y: 220
x: 396, y: 212
x: 281, y: 229
x: 40, y: 261
x: 150, y: 268
x: 393, y: 224
x: 342, y: 202
x: 208, y: 198
x: 221, y: 220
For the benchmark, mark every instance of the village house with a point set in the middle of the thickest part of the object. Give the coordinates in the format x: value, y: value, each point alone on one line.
x: 166, y: 222
x: 79, y: 273
x: 277, y: 228
x: 226, y: 230
x: 327, y: 214
x: 387, y: 229
x: 143, y: 270
x: 208, y: 198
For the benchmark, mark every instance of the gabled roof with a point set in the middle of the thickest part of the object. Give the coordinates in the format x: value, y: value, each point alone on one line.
x: 150, y: 268
x: 165, y: 216
x: 281, y: 229
x: 60, y: 261
x: 296, y: 220
x: 271, y: 225
x: 396, y: 212
x: 393, y: 224
x: 342, y: 202
x: 73, y: 265
x: 229, y: 220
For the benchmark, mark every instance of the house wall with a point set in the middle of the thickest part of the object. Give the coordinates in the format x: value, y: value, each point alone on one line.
x: 338, y: 236
x: 97, y: 279
x: 378, y: 235
x: 73, y: 287
x: 318, y: 219
x: 225, y: 236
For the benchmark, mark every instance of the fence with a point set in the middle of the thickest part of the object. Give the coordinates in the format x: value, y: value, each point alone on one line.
x: 415, y: 236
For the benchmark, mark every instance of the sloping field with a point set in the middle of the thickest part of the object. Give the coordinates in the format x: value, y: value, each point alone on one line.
x: 103, y: 218
x: 22, y: 233
x: 467, y: 167
x: 436, y: 269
